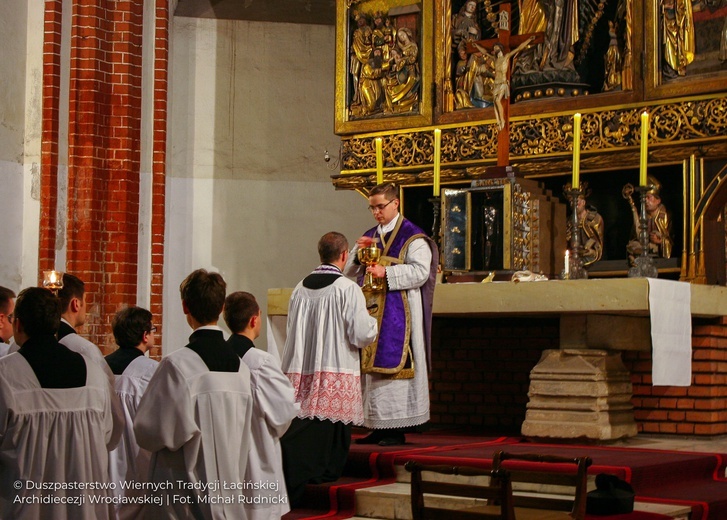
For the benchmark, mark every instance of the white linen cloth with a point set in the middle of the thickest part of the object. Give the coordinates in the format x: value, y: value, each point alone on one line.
x: 671, y: 332
x: 128, y: 462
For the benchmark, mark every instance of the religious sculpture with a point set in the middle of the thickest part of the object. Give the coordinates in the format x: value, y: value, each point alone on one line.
x: 658, y: 222
x: 464, y: 24
x: 370, y: 84
x: 361, y: 48
x: 590, y: 227
x: 612, y: 80
x: 474, y: 79
x: 402, y: 88
x: 678, y: 36
x: 501, y: 86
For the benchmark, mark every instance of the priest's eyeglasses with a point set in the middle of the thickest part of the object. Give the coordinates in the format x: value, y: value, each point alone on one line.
x: 380, y: 207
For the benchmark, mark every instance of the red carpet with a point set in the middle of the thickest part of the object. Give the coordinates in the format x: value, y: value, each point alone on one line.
x: 692, y: 479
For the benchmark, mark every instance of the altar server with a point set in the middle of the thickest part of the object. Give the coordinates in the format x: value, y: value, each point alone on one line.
x: 327, y: 325
x: 274, y: 407
x: 73, y: 308
x: 56, y: 424
x: 395, y: 381
x: 134, y: 334
x: 195, y: 414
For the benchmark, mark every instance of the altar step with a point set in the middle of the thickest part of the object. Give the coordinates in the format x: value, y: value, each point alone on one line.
x: 393, y: 502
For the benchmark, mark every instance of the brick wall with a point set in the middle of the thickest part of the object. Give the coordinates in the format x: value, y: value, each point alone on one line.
x: 481, y: 370
x: 104, y: 147
x: 700, y: 409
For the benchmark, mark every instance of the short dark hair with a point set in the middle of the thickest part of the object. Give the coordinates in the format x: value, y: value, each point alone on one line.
x: 73, y: 287
x: 204, y: 295
x: 39, y: 310
x: 330, y: 246
x: 5, y: 296
x: 389, y: 189
x: 240, y: 307
x: 129, y: 326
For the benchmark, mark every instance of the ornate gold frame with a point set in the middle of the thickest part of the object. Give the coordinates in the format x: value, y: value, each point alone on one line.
x: 343, y: 124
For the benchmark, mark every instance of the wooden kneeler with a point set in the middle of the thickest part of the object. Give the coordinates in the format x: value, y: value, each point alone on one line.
x: 542, y: 473
x: 447, y: 500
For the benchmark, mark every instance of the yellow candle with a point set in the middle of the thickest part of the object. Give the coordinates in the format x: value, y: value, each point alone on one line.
x: 437, y: 154
x: 576, y: 151
x: 379, y: 162
x: 644, y: 148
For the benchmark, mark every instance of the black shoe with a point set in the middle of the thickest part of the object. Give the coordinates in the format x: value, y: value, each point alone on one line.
x: 395, y: 439
x: 372, y: 438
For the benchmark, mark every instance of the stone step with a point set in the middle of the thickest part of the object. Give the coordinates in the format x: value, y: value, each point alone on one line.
x: 393, y: 502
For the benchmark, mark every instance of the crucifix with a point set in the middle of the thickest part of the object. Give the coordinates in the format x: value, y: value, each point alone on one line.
x: 502, y: 52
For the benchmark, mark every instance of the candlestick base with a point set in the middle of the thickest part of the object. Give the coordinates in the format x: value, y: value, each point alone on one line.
x: 575, y: 269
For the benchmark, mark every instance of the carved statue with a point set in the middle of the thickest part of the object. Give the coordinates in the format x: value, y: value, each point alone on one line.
x: 612, y: 80
x: 658, y: 223
x: 475, y: 79
x: 678, y: 35
x: 464, y: 24
x: 402, y: 88
x: 501, y: 87
x: 590, y: 228
x: 370, y: 84
x: 561, y: 35
x: 361, y: 48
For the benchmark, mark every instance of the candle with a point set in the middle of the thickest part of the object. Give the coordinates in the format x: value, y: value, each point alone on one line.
x: 576, y: 151
x: 644, y: 148
x: 566, y: 269
x: 437, y: 153
x: 379, y: 162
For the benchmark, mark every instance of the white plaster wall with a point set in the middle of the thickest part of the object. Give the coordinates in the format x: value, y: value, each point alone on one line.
x: 20, y: 89
x: 248, y: 192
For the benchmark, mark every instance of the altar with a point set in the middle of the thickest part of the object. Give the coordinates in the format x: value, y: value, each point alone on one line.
x: 582, y: 389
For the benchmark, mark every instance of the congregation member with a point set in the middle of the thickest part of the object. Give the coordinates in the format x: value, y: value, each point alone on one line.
x: 395, y: 381
x: 274, y: 408
x: 327, y: 325
x: 134, y: 334
x: 195, y: 415
x: 7, y: 305
x: 56, y: 422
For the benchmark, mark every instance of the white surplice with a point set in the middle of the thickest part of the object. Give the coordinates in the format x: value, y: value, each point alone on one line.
x: 400, y: 403
x: 273, y: 409
x: 325, y: 329
x: 196, y: 423
x: 128, y: 462
x: 79, y: 344
x: 53, y: 436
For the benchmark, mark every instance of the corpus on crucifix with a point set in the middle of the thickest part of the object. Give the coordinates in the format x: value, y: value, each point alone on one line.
x: 503, y: 53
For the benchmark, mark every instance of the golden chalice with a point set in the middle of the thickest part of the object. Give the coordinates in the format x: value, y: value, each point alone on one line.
x: 368, y: 256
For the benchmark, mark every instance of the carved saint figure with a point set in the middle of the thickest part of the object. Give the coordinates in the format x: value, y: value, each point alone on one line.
x: 612, y: 81
x: 678, y: 35
x: 402, y: 88
x: 464, y: 24
x: 370, y: 83
x: 658, y: 223
x: 561, y: 35
x: 361, y: 48
x: 590, y: 231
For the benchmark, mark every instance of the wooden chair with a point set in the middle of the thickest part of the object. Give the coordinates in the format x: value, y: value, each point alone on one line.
x: 554, y: 493
x: 447, y: 500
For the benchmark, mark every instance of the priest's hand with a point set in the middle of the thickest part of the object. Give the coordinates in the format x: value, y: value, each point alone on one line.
x: 364, y: 242
x: 378, y: 271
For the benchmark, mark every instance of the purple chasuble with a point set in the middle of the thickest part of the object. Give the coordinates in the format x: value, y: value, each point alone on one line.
x: 393, y: 337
